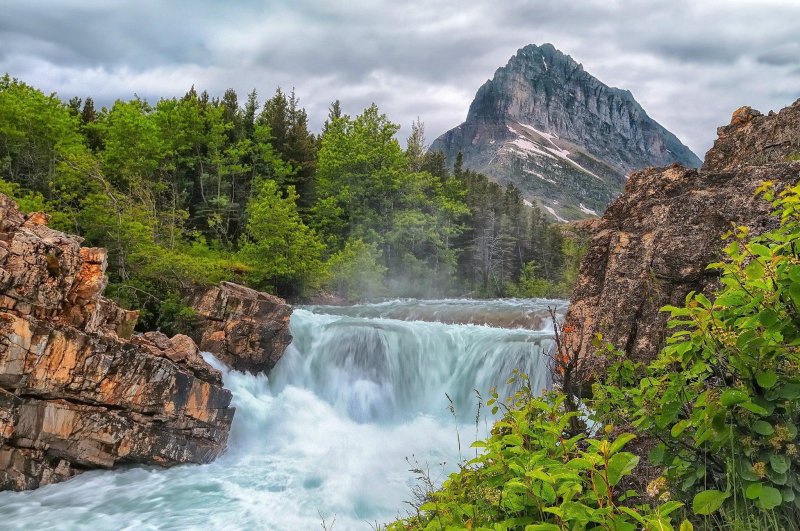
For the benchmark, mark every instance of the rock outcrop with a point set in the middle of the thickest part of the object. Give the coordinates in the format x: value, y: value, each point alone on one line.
x: 753, y: 139
x: 652, y: 245
x: 248, y: 330
x: 77, y: 392
x: 563, y: 137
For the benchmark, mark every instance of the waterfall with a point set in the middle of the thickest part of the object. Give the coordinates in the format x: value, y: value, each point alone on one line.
x: 360, y: 389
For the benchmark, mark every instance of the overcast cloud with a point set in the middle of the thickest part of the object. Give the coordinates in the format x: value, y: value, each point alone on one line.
x: 689, y: 63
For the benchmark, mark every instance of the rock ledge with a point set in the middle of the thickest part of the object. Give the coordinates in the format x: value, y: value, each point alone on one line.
x: 76, y: 391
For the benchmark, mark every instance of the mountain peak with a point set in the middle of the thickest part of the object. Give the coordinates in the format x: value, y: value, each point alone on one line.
x: 563, y: 137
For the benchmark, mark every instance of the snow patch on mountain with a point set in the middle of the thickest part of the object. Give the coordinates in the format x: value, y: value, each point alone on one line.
x: 554, y: 214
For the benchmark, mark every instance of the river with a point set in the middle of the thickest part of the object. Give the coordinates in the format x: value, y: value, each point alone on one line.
x: 361, y: 391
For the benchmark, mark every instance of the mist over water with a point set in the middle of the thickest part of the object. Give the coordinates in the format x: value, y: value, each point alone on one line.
x: 327, y: 435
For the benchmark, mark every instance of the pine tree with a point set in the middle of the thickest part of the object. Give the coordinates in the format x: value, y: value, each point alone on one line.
x: 275, y: 114
x: 458, y: 167
x: 232, y: 115
x: 249, y: 115
x: 415, y: 143
x: 74, y: 106
x: 334, y: 113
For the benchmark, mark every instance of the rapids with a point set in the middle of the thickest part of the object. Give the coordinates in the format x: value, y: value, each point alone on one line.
x: 361, y: 389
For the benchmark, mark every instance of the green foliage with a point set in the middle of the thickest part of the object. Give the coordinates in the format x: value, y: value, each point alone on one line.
x: 27, y: 200
x: 174, y: 316
x: 532, y: 473
x: 193, y: 190
x: 278, y: 247
x: 718, y: 411
x: 356, y: 271
x: 722, y: 397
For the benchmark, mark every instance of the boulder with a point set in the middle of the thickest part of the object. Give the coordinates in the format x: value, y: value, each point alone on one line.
x: 77, y: 392
x: 653, y: 244
x: 248, y: 330
x: 753, y: 139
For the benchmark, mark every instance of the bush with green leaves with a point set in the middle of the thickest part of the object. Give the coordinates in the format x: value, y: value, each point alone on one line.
x: 356, y: 271
x: 723, y: 397
x: 533, y: 473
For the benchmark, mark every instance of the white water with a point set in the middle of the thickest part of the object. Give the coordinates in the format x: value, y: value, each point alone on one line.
x: 329, y: 434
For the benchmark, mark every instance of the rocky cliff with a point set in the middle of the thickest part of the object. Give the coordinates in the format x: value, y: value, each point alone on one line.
x: 653, y: 243
x: 246, y: 329
x: 753, y: 138
x: 77, y: 392
x: 564, y: 138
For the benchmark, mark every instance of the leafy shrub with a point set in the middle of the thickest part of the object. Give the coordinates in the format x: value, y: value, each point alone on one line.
x: 534, y: 474
x: 720, y: 408
x: 356, y: 271
x: 722, y: 398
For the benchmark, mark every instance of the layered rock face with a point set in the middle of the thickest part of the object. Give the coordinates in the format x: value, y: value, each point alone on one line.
x: 560, y: 135
x: 76, y: 391
x: 753, y: 138
x: 653, y: 244
x: 248, y: 330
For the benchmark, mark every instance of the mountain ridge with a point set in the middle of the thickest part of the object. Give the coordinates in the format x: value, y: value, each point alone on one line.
x: 563, y: 137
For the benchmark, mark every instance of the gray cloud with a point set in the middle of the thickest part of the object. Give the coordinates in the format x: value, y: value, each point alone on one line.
x: 689, y: 63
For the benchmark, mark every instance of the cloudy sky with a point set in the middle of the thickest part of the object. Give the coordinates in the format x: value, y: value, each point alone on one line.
x: 690, y: 63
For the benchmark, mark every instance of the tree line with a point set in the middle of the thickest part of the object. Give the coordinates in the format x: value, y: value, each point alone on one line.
x: 194, y: 190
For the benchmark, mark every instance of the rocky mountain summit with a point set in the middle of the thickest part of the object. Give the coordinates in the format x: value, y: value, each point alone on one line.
x: 564, y: 138
x: 79, y: 391
x: 653, y: 243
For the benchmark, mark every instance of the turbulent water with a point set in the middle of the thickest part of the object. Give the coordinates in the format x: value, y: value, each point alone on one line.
x: 360, y: 390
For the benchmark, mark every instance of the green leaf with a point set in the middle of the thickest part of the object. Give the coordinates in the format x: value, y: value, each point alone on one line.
x: 576, y: 511
x: 759, y: 250
x: 779, y: 463
x: 767, y: 379
x: 619, y: 465
x: 621, y: 441
x: 632, y: 513
x: 755, y: 408
x: 513, y: 440
x: 794, y: 293
x: 731, y: 299
x: 777, y: 478
x: 579, y: 464
x: 762, y: 427
x: 678, y: 428
x: 794, y: 273
x: 746, y: 470
x: 669, y: 507
x: 754, y: 270
x: 686, y: 525
x: 770, y: 498
x: 753, y: 491
x: 790, y: 391
x: 731, y: 397
x: 708, y: 501
x: 703, y: 300
x: 768, y: 317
